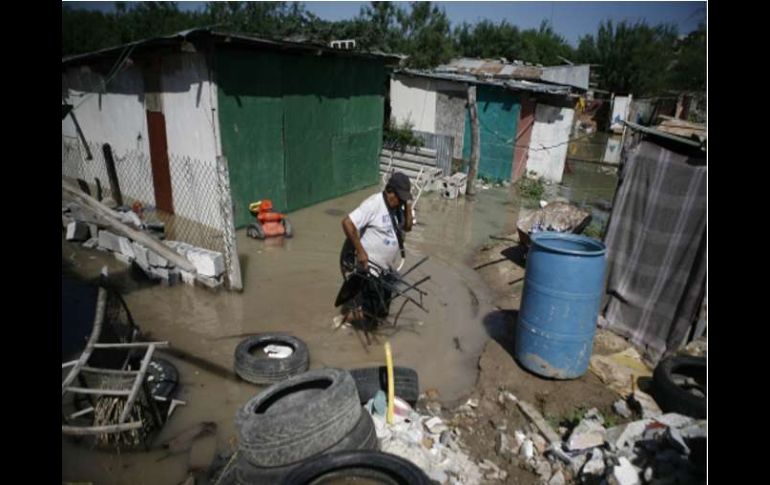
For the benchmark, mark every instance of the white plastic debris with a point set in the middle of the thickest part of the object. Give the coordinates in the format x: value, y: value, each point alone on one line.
x: 435, y: 425
x: 588, y: 434
x: 625, y: 473
x: 276, y: 351
x: 621, y: 408
x: 527, y: 449
x: 595, y: 466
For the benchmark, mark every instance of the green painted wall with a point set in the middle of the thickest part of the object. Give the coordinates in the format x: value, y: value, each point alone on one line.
x: 498, y: 117
x: 298, y: 129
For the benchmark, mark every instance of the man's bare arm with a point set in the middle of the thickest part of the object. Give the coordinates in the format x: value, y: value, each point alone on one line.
x: 352, y: 233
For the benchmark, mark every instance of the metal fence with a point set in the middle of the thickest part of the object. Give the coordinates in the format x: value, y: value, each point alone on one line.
x: 198, y: 189
x: 443, y: 144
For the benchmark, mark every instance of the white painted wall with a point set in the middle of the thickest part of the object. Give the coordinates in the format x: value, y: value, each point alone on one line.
x: 189, y: 102
x: 116, y: 117
x: 414, y: 99
x: 550, y: 140
x: 188, y: 97
x: 620, y: 108
x: 187, y: 106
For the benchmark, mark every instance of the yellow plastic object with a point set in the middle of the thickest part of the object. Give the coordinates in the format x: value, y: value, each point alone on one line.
x: 254, y: 206
x: 391, y: 385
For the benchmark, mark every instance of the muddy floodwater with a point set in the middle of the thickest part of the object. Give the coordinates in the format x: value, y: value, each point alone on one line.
x: 290, y: 286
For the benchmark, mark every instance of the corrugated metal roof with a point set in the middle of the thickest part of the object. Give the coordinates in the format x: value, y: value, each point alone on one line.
x: 502, y: 69
x: 521, y: 85
x: 245, y: 39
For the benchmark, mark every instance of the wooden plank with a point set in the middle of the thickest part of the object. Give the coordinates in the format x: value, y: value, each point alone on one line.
x: 113, y: 223
x: 475, y: 147
x: 112, y: 174
x: 91, y: 430
x: 539, y: 422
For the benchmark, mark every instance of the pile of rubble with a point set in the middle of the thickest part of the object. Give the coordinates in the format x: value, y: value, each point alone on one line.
x: 428, y: 442
x: 665, y: 449
x: 83, y: 227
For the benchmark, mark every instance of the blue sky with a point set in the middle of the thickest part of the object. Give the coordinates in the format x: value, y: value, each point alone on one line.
x: 570, y: 19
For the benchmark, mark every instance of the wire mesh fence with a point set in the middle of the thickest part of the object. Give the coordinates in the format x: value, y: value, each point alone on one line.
x: 196, y: 216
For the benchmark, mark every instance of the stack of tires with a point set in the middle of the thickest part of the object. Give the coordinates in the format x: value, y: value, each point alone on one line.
x: 297, y: 419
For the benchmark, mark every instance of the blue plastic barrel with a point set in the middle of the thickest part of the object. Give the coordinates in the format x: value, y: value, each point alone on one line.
x: 563, y: 287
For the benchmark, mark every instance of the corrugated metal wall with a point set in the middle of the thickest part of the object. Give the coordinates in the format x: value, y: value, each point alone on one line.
x: 298, y: 129
x: 443, y: 145
x: 498, y: 117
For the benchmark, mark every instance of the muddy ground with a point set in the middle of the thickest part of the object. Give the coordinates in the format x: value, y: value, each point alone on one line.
x: 290, y: 286
x: 501, y: 265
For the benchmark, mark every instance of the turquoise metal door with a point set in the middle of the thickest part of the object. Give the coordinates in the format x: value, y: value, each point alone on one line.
x: 498, y: 118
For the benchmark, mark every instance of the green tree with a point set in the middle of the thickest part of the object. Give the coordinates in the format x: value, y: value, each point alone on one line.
x: 689, y: 70
x: 489, y: 40
x: 425, y: 35
x: 379, y: 26
x: 544, y: 46
x: 632, y: 58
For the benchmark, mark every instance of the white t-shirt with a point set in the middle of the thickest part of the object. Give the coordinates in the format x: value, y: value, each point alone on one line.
x: 379, y: 238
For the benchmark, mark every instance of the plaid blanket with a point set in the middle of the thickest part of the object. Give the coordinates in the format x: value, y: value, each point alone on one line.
x: 656, y: 249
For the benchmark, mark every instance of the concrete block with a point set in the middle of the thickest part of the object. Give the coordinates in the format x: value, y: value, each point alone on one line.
x: 187, y: 277
x: 77, y: 231
x: 126, y: 248
x: 179, y: 247
x: 109, y: 241
x: 212, y: 283
x: 123, y: 258
x: 141, y: 254
x: 207, y: 263
x: 157, y: 261
x: 160, y: 273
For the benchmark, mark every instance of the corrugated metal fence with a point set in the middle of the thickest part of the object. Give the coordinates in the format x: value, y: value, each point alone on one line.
x: 443, y: 144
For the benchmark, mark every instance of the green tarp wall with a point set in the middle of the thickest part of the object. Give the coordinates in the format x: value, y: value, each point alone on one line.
x: 298, y: 129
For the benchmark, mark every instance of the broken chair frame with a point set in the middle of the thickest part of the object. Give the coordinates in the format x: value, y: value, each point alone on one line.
x: 397, y: 286
x: 80, y: 366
